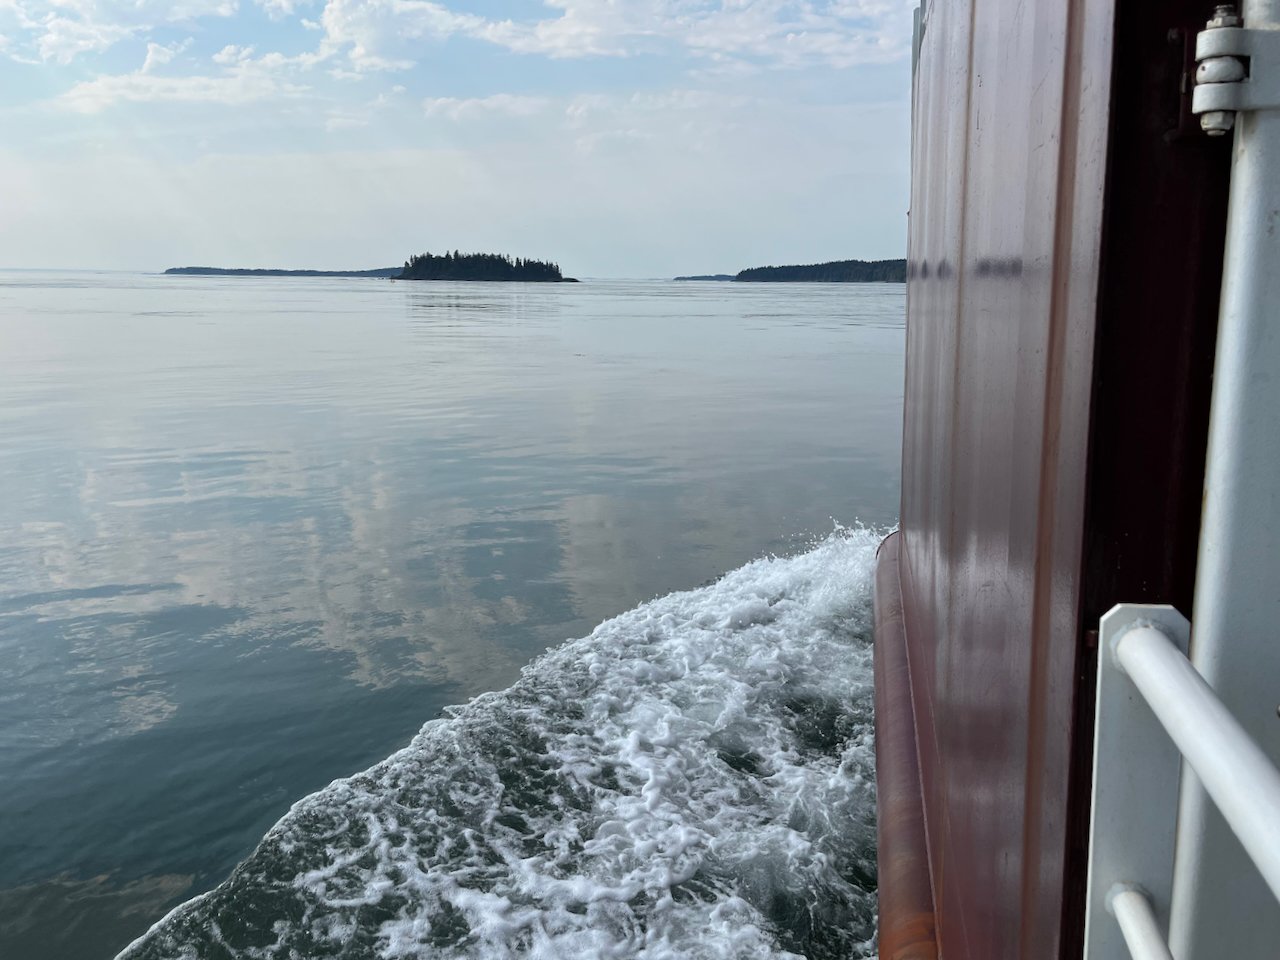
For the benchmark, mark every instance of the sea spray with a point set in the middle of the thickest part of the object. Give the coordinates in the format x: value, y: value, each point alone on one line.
x: 692, y: 780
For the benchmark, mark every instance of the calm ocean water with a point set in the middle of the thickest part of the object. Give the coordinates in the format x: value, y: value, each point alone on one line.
x: 254, y: 533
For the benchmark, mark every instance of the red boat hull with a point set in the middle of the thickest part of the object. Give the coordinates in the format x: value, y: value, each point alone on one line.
x: 1046, y: 474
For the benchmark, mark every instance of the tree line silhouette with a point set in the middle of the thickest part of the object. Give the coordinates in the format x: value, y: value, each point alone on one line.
x: 836, y: 271
x: 478, y: 266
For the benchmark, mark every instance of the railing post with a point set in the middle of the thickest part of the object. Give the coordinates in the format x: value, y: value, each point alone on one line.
x: 1135, y: 787
x: 1236, y: 648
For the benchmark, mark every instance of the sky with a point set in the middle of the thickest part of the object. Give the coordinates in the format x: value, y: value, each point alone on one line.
x: 619, y: 138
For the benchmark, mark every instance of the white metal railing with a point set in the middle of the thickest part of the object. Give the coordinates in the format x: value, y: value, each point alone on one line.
x: 1137, y: 922
x: 1140, y: 744
x: 1221, y: 907
x: 1236, y: 773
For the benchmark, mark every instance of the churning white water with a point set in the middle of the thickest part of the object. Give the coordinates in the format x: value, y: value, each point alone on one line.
x: 694, y: 779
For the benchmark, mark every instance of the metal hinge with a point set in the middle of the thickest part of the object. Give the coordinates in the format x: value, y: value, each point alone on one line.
x: 1239, y: 69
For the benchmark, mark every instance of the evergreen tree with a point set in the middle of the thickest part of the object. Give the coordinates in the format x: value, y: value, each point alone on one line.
x: 478, y: 266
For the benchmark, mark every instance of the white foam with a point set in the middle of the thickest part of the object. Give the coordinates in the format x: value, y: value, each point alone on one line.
x: 693, y: 779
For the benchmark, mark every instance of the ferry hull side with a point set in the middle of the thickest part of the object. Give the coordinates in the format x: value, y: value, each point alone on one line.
x: 906, y: 897
x: 1065, y: 253
x: 1009, y: 155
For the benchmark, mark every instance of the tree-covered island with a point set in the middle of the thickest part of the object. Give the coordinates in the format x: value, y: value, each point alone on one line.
x: 481, y: 266
x: 835, y: 271
x: 426, y: 266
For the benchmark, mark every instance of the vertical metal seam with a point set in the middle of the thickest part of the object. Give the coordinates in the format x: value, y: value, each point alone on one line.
x: 961, y: 272
x: 1050, y: 459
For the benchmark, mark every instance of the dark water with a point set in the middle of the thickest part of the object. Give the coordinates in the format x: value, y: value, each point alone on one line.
x: 254, y: 533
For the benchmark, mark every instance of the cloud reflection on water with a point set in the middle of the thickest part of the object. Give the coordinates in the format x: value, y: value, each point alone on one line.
x: 253, y: 547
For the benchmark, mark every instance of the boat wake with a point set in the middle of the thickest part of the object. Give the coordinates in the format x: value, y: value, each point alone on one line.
x: 694, y: 779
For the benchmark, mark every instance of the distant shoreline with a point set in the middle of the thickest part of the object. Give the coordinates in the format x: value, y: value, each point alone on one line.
x: 496, y: 268
x: 455, y: 266
x: 833, y: 271
x: 247, y: 272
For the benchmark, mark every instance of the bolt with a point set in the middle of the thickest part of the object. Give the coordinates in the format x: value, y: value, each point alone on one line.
x: 1217, y: 123
x: 1220, y: 70
x: 1224, y: 15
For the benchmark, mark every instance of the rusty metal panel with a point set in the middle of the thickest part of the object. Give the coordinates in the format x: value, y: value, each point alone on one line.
x: 906, y: 896
x: 1010, y: 139
x: 1065, y: 249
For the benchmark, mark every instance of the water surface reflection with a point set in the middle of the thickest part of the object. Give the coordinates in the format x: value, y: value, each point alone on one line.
x: 253, y: 533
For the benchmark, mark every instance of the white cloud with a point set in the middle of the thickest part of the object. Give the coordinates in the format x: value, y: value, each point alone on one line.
x: 662, y: 184
x: 719, y: 36
x: 777, y: 32
x: 158, y: 55
x: 505, y: 104
x: 243, y: 80
x: 344, y: 122
x: 64, y: 39
x: 389, y: 34
x: 618, y: 165
x: 588, y: 29
x: 382, y: 34
x: 661, y: 177
x: 131, y: 11
x: 279, y: 9
x: 232, y: 54
x: 346, y: 118
x: 59, y: 31
x: 94, y: 96
x: 839, y: 34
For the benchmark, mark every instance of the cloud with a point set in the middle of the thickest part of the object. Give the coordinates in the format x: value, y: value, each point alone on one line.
x: 588, y: 29
x: 837, y: 34
x: 232, y: 54
x: 384, y: 34
x: 346, y: 118
x: 504, y: 104
x: 158, y: 55
x: 243, y: 80
x: 718, y: 38
x: 381, y: 34
x: 279, y: 9
x: 344, y: 122
x: 664, y: 179
x: 59, y: 31
x: 64, y: 39
x: 602, y: 164
x: 94, y: 96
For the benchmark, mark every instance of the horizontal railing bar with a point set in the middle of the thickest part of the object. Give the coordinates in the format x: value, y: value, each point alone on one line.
x: 1137, y: 921
x: 1239, y: 777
